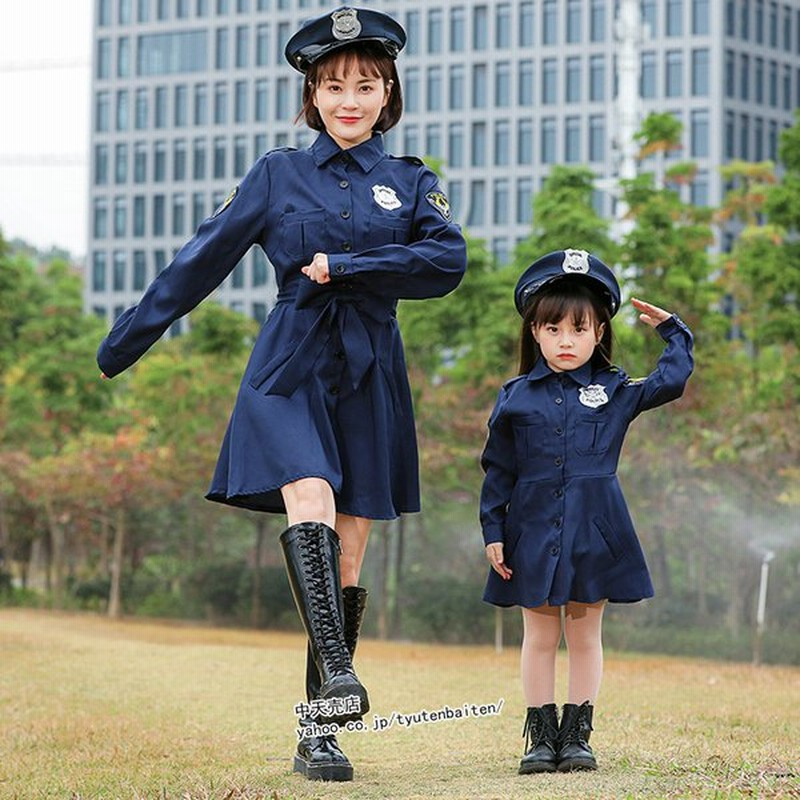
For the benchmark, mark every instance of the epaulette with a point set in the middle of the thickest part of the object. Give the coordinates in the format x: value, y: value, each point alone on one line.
x: 412, y: 160
x: 507, y: 385
x: 634, y: 381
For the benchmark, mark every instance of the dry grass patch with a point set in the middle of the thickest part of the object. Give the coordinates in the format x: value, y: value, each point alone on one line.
x: 91, y: 710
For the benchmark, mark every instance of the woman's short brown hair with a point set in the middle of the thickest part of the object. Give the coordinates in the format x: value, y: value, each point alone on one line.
x: 371, y: 60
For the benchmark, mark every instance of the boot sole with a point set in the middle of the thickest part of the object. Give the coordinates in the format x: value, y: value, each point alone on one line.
x: 323, y: 772
x: 355, y: 689
x: 576, y: 764
x: 530, y: 769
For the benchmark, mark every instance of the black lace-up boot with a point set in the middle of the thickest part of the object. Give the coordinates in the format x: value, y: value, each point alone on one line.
x: 573, y: 738
x: 541, y: 740
x: 311, y: 551
x: 319, y: 757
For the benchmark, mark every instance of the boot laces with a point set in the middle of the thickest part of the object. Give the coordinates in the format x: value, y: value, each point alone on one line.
x: 534, y: 729
x: 577, y: 731
x: 324, y: 604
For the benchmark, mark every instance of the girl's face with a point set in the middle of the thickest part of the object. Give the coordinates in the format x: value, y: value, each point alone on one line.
x: 567, y: 345
x: 350, y: 102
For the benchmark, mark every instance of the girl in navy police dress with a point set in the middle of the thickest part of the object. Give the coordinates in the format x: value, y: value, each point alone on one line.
x: 555, y: 524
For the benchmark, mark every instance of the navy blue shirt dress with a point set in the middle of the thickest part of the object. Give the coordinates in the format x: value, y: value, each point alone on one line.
x: 551, y: 494
x: 325, y: 393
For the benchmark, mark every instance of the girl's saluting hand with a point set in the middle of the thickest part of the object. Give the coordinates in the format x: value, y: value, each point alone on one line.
x: 651, y: 315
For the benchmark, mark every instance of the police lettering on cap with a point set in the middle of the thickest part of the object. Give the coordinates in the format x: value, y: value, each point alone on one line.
x: 340, y: 28
x: 572, y: 265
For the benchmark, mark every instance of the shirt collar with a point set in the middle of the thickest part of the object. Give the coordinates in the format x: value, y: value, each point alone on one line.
x: 582, y: 375
x: 366, y: 155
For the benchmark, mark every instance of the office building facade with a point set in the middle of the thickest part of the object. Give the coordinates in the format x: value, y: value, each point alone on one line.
x: 186, y: 94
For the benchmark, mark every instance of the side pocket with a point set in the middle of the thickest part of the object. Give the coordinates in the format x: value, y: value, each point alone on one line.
x: 606, y: 531
x: 260, y: 379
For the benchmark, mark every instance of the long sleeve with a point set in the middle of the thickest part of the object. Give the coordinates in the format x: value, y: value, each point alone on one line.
x: 431, y: 265
x: 197, y: 269
x: 499, y: 463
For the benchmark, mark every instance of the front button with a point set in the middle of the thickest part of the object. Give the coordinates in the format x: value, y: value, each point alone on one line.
x: 558, y: 493
x: 345, y: 214
x: 339, y: 269
x: 334, y: 390
x: 347, y: 247
x: 554, y: 550
x: 344, y: 184
x: 557, y: 522
x: 339, y: 354
x: 559, y: 461
x: 559, y: 401
x: 559, y: 431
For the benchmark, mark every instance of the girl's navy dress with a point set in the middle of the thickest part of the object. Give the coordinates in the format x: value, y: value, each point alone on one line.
x: 551, y: 493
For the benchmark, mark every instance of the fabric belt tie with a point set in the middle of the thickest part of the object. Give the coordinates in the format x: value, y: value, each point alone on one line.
x: 340, y: 311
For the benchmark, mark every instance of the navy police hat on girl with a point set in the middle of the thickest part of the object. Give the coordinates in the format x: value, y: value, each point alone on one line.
x: 572, y: 265
x: 340, y: 28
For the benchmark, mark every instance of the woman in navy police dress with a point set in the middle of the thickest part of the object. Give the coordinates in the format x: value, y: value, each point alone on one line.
x: 323, y: 426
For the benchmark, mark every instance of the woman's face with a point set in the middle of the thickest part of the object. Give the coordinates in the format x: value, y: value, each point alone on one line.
x: 350, y: 102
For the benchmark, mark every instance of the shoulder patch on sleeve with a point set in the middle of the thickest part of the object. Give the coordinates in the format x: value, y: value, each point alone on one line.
x: 634, y: 381
x: 226, y: 202
x: 439, y: 201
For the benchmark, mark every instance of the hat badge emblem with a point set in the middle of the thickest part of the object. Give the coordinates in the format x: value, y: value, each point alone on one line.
x: 575, y: 261
x: 345, y: 24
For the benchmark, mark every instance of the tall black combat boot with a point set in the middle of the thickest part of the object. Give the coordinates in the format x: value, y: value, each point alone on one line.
x: 320, y: 758
x: 573, y: 738
x: 541, y: 740
x: 311, y: 551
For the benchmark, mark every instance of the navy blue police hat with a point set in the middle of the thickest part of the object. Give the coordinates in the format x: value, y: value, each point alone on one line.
x: 572, y: 264
x: 340, y: 28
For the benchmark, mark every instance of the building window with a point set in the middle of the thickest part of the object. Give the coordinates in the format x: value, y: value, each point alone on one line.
x: 181, y: 109
x: 178, y: 214
x: 700, y: 73
x: 100, y: 219
x: 525, y: 83
x: 455, y: 145
x: 262, y: 101
x: 179, y: 160
x: 597, y: 21
x: 674, y: 74
x: 138, y: 216
x: 647, y: 77
x: 730, y: 135
x: 103, y: 13
x: 433, y: 141
x: 120, y: 268
x: 435, y: 30
x: 240, y: 102
x: 458, y: 29
x: 162, y: 9
x: 674, y: 17
x: 220, y: 104
x: 502, y: 143
x: 103, y: 59
x: 140, y: 162
x: 525, y: 141
x: 121, y: 163
x: 122, y: 110
x: 139, y: 270
x: 260, y: 144
x: 526, y: 15
x: 502, y: 84
x: 649, y: 16
x: 549, y: 22
x: 773, y: 83
x: 478, y: 158
x: 455, y: 194
x: 159, y: 162
x: 124, y: 12
x: 199, y: 159
x: 787, y: 87
x: 456, y: 86
x: 221, y: 49
x: 597, y: 138
x: 700, y: 18
x: 260, y: 273
x: 123, y: 57
x: 182, y: 9
x: 744, y: 27
x: 220, y: 152
x: 413, y: 32
x: 573, y: 87
x: 434, y: 93
x: 242, y: 46
x: 744, y: 80
x: 500, y: 202
x: 477, y: 191
x: 524, y: 201
x: 549, y: 82
x: 699, y: 134
x: 502, y: 29
x: 100, y: 164
x: 262, y: 45
x: 480, y: 28
x: 574, y: 21
x: 744, y: 137
x: 198, y: 209
x: 200, y: 104
x: 99, y: 272
x: 572, y: 140
x: 597, y: 79
x: 479, y: 89
x: 411, y: 140
x: 548, y: 145
x: 160, y: 104
x: 730, y: 73
x: 412, y: 90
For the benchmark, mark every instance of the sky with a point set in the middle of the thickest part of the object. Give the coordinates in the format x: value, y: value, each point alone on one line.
x: 45, y: 75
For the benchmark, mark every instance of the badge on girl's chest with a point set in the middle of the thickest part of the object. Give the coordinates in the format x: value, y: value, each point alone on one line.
x: 593, y: 396
x: 386, y: 197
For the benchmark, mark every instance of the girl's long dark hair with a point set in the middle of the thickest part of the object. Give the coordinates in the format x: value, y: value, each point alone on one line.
x: 565, y: 297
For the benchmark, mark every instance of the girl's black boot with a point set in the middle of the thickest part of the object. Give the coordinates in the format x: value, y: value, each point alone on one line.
x: 320, y: 758
x: 573, y: 738
x: 311, y: 551
x: 541, y: 740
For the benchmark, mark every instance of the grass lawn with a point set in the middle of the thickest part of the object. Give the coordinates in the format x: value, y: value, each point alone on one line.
x: 94, y: 709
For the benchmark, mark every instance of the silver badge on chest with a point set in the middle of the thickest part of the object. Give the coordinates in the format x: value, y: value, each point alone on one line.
x: 386, y: 197
x: 593, y: 396
x: 576, y: 261
x: 345, y: 24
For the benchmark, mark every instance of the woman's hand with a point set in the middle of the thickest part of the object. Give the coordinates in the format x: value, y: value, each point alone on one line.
x: 650, y: 315
x: 494, y: 552
x: 317, y: 270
